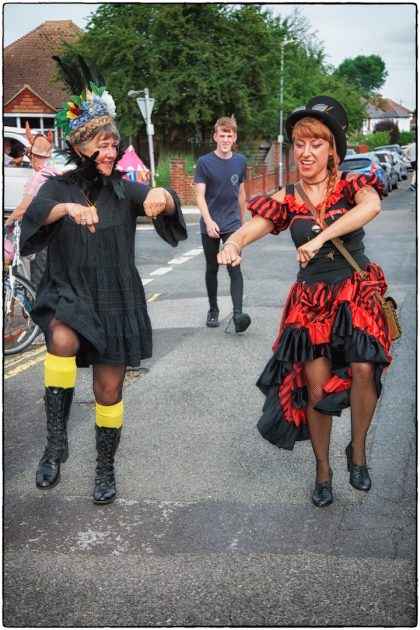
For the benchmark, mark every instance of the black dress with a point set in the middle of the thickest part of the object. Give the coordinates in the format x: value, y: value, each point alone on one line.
x: 91, y: 282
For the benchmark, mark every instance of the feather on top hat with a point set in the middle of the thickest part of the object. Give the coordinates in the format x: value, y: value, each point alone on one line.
x: 327, y: 110
x: 90, y: 105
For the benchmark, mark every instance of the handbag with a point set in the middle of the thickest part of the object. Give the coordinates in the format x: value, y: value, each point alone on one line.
x: 388, y: 304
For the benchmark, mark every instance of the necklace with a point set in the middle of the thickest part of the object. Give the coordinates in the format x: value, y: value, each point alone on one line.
x: 315, y: 183
x: 91, y: 205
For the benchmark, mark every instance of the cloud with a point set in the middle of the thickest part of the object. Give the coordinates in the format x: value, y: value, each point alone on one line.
x: 403, y: 36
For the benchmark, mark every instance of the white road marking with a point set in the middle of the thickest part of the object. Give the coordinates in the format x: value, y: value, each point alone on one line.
x: 161, y: 271
x: 179, y: 260
x: 147, y: 281
x: 194, y: 252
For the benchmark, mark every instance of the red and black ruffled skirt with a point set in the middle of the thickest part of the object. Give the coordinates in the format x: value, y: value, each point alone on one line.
x: 343, y: 322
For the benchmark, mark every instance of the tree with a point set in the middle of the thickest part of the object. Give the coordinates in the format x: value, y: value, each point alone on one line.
x: 201, y: 61
x: 391, y: 126
x: 368, y: 73
x: 405, y: 137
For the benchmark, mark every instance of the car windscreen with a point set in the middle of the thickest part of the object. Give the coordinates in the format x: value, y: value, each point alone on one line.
x: 381, y: 157
x: 390, y: 147
x: 355, y: 165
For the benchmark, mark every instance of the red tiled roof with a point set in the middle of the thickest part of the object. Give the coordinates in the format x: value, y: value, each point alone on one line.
x: 386, y: 108
x: 29, y: 61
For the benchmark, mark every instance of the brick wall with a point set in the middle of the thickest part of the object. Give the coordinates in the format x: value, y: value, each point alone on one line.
x: 258, y: 181
x: 181, y: 182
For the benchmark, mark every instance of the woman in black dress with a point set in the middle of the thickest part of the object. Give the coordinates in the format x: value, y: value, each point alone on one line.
x: 334, y: 337
x: 90, y: 302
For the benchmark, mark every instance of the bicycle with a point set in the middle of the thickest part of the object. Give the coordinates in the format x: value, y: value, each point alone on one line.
x: 19, y: 295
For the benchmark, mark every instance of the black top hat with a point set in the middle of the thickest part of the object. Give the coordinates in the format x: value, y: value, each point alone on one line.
x: 330, y: 112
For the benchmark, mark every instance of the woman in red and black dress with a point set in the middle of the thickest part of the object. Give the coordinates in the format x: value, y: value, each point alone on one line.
x: 334, y: 338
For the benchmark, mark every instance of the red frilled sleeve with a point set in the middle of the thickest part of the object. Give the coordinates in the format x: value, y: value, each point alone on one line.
x: 270, y: 209
x: 357, y: 183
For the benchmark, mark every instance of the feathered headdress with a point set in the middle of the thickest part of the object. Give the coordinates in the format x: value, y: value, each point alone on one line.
x: 90, y: 104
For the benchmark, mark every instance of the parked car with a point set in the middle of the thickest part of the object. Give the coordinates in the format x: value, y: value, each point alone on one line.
x: 365, y: 163
x: 351, y: 152
x: 387, y: 161
x: 397, y: 153
x: 400, y: 165
x: 15, y: 177
x: 390, y: 147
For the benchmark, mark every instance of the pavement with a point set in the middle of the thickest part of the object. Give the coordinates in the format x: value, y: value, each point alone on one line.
x: 214, y: 527
x: 191, y: 215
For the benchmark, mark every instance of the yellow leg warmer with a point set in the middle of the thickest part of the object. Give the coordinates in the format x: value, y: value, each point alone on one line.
x: 110, y: 416
x: 60, y: 371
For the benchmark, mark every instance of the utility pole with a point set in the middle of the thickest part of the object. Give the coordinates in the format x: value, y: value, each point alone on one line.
x: 281, y: 137
x: 146, y: 107
x: 150, y: 132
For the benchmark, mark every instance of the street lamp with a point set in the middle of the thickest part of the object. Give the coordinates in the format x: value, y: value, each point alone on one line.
x: 281, y: 137
x: 146, y: 107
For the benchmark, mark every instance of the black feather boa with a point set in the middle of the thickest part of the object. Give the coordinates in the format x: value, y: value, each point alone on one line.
x: 86, y: 174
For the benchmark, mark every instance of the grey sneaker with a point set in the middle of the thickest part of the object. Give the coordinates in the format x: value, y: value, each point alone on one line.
x: 213, y: 318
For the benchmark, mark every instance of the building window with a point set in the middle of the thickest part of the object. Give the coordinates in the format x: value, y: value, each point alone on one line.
x: 10, y: 121
x: 34, y: 123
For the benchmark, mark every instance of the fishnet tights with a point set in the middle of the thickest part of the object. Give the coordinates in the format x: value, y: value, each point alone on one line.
x: 363, y: 399
x: 317, y: 373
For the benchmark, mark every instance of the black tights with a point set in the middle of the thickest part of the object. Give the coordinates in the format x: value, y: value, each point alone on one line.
x: 107, y: 379
x: 363, y: 399
x: 211, y: 248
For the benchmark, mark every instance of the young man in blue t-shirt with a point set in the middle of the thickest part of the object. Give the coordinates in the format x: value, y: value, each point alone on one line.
x: 220, y: 192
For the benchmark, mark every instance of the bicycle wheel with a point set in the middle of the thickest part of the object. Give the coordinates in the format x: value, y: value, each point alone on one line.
x: 19, y: 330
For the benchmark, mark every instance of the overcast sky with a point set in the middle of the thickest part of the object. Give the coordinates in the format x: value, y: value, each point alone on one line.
x: 346, y: 30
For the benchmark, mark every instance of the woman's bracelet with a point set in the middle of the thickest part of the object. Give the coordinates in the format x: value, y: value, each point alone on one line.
x: 238, y: 249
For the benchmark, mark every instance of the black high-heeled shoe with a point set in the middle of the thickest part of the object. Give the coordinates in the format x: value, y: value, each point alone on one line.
x: 359, y: 475
x: 322, y: 494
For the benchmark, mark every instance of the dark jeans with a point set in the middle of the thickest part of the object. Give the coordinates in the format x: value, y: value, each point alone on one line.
x: 211, y: 248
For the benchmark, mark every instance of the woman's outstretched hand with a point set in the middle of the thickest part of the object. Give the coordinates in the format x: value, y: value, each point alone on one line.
x: 229, y: 256
x: 83, y: 215
x: 155, y: 202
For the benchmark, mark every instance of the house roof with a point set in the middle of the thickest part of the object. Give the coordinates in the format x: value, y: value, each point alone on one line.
x: 386, y: 108
x: 28, y: 61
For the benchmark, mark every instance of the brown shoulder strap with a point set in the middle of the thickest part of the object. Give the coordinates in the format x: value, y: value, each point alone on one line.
x: 337, y: 242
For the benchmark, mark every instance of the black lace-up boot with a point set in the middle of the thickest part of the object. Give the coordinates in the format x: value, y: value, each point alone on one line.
x: 57, y: 407
x: 107, y: 441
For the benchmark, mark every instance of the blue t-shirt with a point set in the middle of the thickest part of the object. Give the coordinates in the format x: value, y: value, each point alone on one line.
x: 222, y: 179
